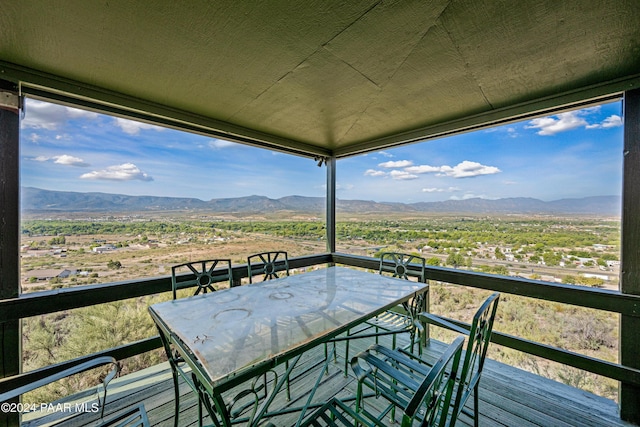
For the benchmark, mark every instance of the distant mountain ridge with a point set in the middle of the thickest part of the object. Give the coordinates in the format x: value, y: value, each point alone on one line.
x: 38, y: 200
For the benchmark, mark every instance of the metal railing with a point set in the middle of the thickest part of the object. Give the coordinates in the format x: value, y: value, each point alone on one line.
x: 598, y: 299
x: 46, y: 302
x: 82, y: 296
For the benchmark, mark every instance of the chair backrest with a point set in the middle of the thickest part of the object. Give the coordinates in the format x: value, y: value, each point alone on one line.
x: 403, y: 265
x: 12, y: 387
x: 270, y: 264
x: 203, y: 274
x: 479, y: 337
x: 430, y: 403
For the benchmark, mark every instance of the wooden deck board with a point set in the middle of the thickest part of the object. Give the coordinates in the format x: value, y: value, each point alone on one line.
x: 508, y: 396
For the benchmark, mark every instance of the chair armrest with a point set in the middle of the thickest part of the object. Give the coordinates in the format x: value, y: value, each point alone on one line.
x: 440, y: 321
x: 359, y: 372
x: 15, y: 390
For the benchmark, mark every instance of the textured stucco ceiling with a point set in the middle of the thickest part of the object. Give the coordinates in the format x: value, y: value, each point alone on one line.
x: 327, y: 75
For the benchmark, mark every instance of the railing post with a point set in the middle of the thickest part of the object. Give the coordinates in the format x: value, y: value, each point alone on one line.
x: 330, y: 222
x: 630, y: 252
x: 10, y: 333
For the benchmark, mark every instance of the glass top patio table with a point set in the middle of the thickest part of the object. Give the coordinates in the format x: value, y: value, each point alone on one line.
x: 233, y: 334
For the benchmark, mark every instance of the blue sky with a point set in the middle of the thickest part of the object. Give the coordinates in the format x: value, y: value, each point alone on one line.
x: 569, y: 155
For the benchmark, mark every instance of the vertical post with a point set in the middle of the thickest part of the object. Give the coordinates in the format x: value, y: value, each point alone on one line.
x: 630, y: 253
x: 10, y: 334
x: 331, y: 204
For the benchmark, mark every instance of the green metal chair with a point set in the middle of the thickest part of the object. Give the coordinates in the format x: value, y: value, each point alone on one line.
x: 478, y: 343
x: 425, y: 400
x: 203, y: 275
x: 470, y: 370
x: 405, y: 266
x: 13, y: 387
x: 394, y: 322
x: 270, y: 264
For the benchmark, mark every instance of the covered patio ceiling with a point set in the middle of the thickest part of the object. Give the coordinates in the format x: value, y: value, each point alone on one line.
x: 323, y: 77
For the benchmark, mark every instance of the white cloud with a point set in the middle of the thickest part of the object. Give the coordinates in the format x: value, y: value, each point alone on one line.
x: 440, y: 190
x: 402, y: 175
x: 559, y: 123
x: 572, y: 120
x: 65, y: 159
x: 465, y: 169
x: 373, y: 172
x: 469, y: 169
x: 396, y: 164
x: 123, y: 172
x: 511, y: 132
x: 385, y: 154
x: 44, y: 115
x: 423, y: 169
x: 221, y: 143
x: 134, y: 128
x: 610, y: 122
x: 467, y: 196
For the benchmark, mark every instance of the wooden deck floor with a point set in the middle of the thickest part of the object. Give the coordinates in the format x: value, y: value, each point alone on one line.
x: 508, y: 397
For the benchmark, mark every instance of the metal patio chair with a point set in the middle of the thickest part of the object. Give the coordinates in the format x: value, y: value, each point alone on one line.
x: 394, y: 322
x: 479, y: 338
x: 204, y: 274
x: 470, y: 370
x: 270, y: 264
x: 405, y: 266
x: 424, y: 400
x: 13, y: 387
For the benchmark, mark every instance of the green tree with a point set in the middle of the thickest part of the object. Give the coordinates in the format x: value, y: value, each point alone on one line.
x: 551, y: 258
x: 435, y: 261
x: 501, y: 269
x: 58, y: 240
x: 114, y: 265
x: 455, y: 259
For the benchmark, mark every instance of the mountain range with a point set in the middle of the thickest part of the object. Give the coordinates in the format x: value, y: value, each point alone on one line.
x: 35, y: 200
